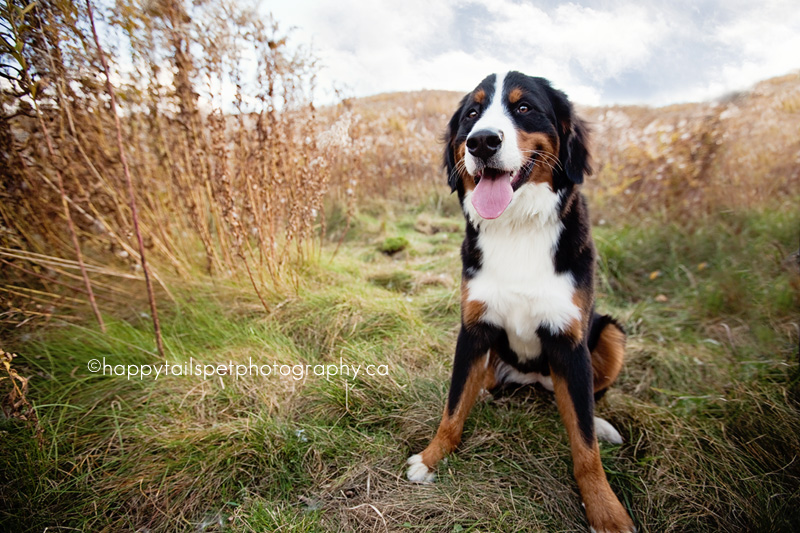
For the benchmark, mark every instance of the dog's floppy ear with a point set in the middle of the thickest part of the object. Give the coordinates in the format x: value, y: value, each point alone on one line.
x: 573, y: 136
x: 449, y: 137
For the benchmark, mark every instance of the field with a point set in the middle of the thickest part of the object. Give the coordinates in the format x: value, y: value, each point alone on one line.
x: 297, y: 241
x: 707, y: 401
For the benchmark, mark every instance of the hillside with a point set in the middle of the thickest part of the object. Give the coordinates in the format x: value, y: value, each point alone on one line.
x: 739, y: 151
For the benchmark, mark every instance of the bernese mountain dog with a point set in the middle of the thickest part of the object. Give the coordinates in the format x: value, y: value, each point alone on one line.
x: 516, y: 153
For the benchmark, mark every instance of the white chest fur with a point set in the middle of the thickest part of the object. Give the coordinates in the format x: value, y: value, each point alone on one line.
x: 517, y: 280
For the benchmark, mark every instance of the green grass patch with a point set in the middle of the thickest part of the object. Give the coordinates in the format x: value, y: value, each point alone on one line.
x: 707, y: 401
x: 392, y: 245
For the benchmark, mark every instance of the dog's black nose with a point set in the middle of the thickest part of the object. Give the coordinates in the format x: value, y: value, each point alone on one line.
x: 484, y: 144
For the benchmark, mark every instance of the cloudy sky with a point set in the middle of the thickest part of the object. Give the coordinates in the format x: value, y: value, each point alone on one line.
x: 599, y: 52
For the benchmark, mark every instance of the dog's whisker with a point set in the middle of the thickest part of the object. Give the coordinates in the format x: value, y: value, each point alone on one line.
x: 546, y: 157
x: 539, y: 152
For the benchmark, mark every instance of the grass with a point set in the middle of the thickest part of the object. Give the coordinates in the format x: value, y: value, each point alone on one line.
x: 707, y: 402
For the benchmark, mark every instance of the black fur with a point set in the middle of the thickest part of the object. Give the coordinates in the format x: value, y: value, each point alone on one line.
x: 573, y: 136
x: 573, y: 363
x: 471, y: 344
x: 575, y: 251
x: 456, y: 131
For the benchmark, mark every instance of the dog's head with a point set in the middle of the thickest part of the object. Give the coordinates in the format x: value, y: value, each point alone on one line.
x: 512, y: 131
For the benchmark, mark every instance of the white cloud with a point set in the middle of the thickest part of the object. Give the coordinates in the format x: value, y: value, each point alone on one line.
x: 643, y: 52
x: 603, y: 43
x: 367, y: 46
x: 764, y: 48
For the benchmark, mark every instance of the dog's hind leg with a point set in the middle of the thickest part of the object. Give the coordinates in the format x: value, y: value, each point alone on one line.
x: 473, y: 371
x: 607, y: 346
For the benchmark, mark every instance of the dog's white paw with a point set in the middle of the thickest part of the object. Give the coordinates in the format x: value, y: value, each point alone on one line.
x: 417, y: 471
x: 606, y: 431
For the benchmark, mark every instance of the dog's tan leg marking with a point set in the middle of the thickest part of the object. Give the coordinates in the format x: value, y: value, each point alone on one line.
x: 481, y: 376
x: 603, y: 510
x: 471, y: 310
x: 607, y: 356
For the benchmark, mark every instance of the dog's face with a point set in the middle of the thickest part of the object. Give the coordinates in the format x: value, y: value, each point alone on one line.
x: 511, y: 132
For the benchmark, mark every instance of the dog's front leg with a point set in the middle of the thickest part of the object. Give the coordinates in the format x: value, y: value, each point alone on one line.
x: 571, y: 369
x: 473, y: 370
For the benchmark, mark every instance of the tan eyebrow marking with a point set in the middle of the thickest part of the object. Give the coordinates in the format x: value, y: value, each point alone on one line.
x: 515, y: 95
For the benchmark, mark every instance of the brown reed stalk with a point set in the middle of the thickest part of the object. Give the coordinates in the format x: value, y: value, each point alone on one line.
x: 225, y: 197
x: 128, y: 183
x: 64, y: 204
x: 72, y: 232
x: 64, y: 105
x: 51, y: 279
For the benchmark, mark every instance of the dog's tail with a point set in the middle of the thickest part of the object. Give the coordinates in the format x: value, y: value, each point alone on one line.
x: 607, y: 345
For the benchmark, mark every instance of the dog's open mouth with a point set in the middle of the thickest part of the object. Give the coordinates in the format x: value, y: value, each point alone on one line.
x: 495, y: 190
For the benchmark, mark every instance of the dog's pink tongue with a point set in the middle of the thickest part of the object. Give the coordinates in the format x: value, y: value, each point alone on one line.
x: 492, y: 196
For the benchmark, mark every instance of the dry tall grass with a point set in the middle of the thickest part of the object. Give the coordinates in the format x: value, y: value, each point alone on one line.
x: 218, y: 128
x: 742, y: 151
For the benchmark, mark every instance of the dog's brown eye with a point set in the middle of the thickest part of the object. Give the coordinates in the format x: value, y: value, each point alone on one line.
x: 523, y: 108
x: 472, y: 114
